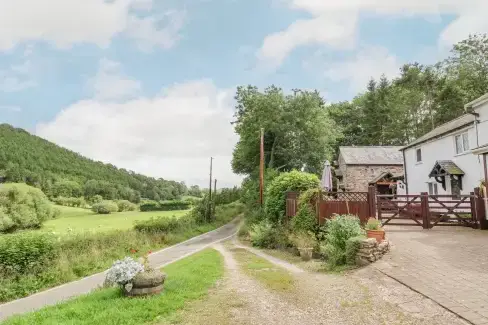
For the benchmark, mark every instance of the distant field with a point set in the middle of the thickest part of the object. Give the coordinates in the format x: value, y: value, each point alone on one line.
x: 79, y: 220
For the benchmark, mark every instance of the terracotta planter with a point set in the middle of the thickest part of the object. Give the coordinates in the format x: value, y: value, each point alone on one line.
x: 379, y: 235
x: 306, y: 253
x: 146, y: 283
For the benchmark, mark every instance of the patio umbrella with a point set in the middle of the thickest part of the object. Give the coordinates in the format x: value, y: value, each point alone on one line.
x: 326, y: 181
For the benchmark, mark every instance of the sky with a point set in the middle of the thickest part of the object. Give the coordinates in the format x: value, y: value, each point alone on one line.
x: 148, y: 85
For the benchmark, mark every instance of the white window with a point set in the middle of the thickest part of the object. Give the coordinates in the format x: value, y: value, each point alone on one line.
x: 418, y: 153
x: 462, y: 143
x: 433, y: 189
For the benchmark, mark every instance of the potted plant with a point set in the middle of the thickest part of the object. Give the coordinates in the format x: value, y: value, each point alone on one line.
x: 136, y: 278
x: 374, y: 230
x: 305, y: 242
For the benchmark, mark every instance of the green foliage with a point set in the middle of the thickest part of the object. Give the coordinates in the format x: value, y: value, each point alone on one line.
x: 26, y: 252
x: 78, y: 202
x: 23, y: 207
x: 105, y: 207
x: 276, y: 191
x: 339, y: 230
x: 267, y: 235
x: 61, y: 172
x: 162, y: 224
x: 373, y: 224
x: 250, y: 187
x: 298, y: 130
x: 303, y: 239
x: 353, y: 245
x: 125, y: 205
x: 165, y: 205
x: 95, y: 199
x: 305, y: 220
x: 226, y: 195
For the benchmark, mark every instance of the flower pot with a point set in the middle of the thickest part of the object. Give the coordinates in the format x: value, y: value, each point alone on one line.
x: 379, y: 235
x: 145, y: 284
x: 306, y: 253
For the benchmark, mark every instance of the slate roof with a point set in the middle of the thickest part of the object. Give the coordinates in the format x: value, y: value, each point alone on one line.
x: 387, y: 155
x: 447, y: 166
x: 445, y: 128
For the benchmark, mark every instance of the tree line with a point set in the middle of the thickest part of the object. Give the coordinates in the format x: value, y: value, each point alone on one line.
x: 63, y: 173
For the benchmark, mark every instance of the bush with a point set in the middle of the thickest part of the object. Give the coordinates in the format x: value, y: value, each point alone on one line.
x: 95, y: 199
x: 26, y: 252
x: 70, y: 201
x: 267, y: 235
x: 105, y: 207
x: 165, y: 205
x: 373, y: 224
x: 23, y: 207
x: 305, y: 220
x: 125, y: 205
x: 353, y: 245
x: 339, y: 230
x: 275, y: 203
x: 158, y: 225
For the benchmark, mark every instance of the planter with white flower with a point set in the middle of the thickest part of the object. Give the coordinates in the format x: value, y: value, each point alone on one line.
x: 135, y: 278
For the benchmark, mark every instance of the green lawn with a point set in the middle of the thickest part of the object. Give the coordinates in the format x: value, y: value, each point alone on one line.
x: 187, y: 280
x: 80, y: 220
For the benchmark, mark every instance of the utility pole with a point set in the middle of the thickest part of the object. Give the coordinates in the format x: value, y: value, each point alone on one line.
x: 210, y: 186
x: 261, y: 169
x: 215, y: 194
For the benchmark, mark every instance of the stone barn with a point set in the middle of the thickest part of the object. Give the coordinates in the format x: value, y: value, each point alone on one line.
x: 359, y: 167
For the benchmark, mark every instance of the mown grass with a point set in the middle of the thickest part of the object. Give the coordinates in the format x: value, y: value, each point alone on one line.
x: 83, y: 254
x: 272, y: 276
x: 82, y: 220
x: 187, y: 280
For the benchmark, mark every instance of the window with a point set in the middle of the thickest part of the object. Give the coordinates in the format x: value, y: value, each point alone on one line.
x: 433, y: 189
x: 419, y: 154
x: 462, y: 143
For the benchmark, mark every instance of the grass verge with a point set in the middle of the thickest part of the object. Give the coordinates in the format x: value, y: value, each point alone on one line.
x: 270, y: 275
x: 84, y: 254
x: 187, y: 280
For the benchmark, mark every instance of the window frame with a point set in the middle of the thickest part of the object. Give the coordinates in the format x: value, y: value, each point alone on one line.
x: 417, y: 151
x: 462, y: 137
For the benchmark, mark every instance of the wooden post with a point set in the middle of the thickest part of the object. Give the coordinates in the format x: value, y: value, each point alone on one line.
x: 209, y: 208
x: 214, y: 195
x: 472, y: 202
x: 317, y: 206
x: 261, y: 169
x: 372, y: 201
x: 480, y: 209
x: 424, y: 210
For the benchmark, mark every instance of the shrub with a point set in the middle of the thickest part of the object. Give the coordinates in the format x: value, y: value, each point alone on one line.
x: 276, y: 191
x: 165, y: 205
x: 305, y: 220
x: 158, y: 225
x: 70, y: 201
x: 95, y: 199
x: 267, y: 235
x: 26, y: 252
x: 353, y: 245
x: 125, y: 205
x: 373, y: 224
x: 23, y: 207
x: 303, y: 239
x: 105, y: 207
x: 339, y: 230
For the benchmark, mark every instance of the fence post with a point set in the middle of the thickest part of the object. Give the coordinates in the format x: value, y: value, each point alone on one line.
x: 372, y: 201
x: 474, y: 213
x: 424, y: 210
x: 480, y: 209
x: 317, y: 206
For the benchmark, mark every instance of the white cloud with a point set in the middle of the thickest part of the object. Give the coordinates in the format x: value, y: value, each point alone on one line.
x: 17, y: 77
x: 111, y: 84
x: 171, y: 135
x: 67, y: 22
x: 334, y: 22
x: 369, y: 63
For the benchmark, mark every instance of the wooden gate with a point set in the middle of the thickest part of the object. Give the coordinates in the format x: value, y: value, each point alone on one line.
x: 428, y: 211
x: 355, y: 203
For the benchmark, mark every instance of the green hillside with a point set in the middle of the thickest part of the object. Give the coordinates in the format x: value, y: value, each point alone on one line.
x: 61, y: 172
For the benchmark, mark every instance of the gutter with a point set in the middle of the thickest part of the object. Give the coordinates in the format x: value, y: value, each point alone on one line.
x: 405, y: 169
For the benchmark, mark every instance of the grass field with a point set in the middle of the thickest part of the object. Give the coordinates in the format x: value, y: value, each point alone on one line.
x: 187, y: 280
x: 80, y: 220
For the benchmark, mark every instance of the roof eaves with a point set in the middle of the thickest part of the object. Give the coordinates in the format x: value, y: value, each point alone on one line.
x: 477, y: 102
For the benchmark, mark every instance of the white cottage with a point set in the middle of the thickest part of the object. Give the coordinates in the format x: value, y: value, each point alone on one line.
x: 451, y: 159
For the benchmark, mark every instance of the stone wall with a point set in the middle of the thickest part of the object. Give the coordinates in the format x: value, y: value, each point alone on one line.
x: 357, y: 177
x: 370, y: 251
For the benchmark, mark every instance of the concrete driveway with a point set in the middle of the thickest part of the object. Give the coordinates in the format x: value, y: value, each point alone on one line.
x: 447, y: 264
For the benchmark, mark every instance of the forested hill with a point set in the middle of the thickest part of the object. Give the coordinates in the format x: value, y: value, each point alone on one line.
x: 61, y: 172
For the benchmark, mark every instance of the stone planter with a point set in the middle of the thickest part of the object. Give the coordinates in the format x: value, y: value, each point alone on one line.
x: 379, y: 235
x: 146, y: 283
x: 306, y: 253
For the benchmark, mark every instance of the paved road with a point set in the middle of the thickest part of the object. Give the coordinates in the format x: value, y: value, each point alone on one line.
x: 447, y: 264
x: 85, y: 285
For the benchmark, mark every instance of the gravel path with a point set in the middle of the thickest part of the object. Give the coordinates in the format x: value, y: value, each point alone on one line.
x: 362, y: 297
x: 158, y: 259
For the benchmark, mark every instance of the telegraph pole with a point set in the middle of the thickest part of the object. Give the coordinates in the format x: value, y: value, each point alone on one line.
x: 261, y: 169
x: 210, y: 186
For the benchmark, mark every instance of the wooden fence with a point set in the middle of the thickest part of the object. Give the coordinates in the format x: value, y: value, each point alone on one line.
x: 422, y: 209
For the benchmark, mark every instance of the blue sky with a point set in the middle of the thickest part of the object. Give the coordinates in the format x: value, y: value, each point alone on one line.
x: 116, y: 79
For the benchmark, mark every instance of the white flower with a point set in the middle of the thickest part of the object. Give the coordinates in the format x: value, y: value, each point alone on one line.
x: 122, y: 272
